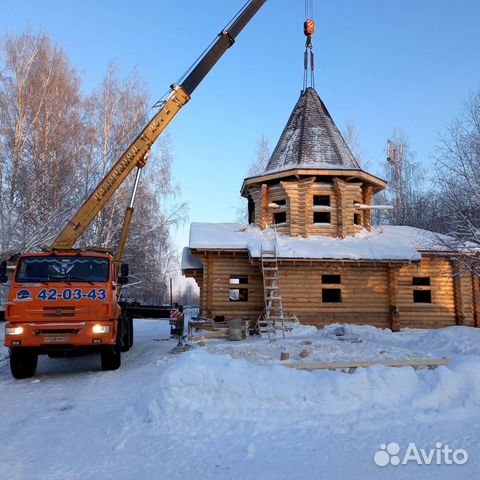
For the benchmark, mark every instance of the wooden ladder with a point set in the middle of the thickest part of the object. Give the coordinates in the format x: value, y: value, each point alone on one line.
x: 272, y: 318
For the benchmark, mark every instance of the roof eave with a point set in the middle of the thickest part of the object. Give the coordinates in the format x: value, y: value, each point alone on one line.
x: 378, y: 183
x: 245, y: 251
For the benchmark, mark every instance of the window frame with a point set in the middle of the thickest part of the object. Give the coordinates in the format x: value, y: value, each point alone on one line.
x: 423, y: 281
x: 422, y: 285
x: 332, y: 276
x: 242, y: 295
x: 423, y: 292
x: 283, y: 212
x: 316, y: 196
x: 242, y: 280
x: 332, y: 302
x: 322, y: 212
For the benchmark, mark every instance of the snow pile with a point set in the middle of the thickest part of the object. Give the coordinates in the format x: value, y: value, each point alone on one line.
x: 452, y: 341
x: 211, y: 416
x: 294, y: 330
x: 448, y: 341
x: 382, y: 243
x: 213, y: 386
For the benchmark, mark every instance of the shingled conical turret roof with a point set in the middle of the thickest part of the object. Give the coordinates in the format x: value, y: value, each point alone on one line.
x: 311, y: 139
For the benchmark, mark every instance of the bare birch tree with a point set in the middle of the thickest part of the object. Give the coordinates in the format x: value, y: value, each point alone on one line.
x: 56, y: 145
x: 406, y: 190
x: 458, y: 181
x: 40, y: 134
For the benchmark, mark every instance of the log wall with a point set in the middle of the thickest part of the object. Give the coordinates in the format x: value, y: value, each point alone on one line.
x: 215, y: 294
x: 364, y: 291
x: 300, y: 210
x: 373, y: 293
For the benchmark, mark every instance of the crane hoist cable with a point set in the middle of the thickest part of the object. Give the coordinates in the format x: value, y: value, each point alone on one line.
x: 309, y: 56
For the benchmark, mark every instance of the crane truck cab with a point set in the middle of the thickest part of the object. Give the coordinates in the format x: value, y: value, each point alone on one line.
x: 67, y: 299
x: 62, y: 301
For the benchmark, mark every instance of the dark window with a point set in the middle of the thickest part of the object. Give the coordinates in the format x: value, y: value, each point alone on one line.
x: 331, y: 295
x: 280, y: 217
x: 357, y: 219
x: 281, y: 202
x: 321, y: 200
x: 251, y: 210
x: 63, y: 269
x: 332, y: 279
x: 321, y: 217
x: 238, y: 280
x: 239, y: 295
x: 421, y: 281
x: 422, y: 296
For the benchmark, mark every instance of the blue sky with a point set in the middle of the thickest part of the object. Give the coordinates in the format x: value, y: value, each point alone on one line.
x: 382, y: 63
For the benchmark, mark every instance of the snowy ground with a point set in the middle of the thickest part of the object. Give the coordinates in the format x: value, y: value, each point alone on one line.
x: 229, y: 411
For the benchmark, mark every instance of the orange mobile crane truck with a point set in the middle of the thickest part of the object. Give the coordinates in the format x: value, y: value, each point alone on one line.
x: 67, y: 298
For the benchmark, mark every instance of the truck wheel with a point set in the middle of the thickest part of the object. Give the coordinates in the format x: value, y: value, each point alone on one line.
x: 112, y: 357
x: 127, y: 339
x: 23, y: 364
x: 130, y: 327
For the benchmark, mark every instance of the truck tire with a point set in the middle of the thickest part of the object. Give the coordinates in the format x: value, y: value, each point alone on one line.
x: 127, y: 338
x: 130, y: 326
x: 23, y: 364
x: 112, y: 357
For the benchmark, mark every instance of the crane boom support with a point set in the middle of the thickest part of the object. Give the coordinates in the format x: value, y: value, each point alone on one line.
x: 135, y: 155
x: 224, y: 41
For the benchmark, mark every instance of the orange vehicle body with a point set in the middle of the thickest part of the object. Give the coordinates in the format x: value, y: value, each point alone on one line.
x: 58, y: 315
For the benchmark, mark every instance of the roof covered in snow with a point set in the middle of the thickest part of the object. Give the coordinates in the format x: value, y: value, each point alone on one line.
x: 311, y: 139
x: 395, y: 243
x: 190, y: 262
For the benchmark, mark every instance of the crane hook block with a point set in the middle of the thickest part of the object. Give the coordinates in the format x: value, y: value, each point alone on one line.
x: 309, y: 27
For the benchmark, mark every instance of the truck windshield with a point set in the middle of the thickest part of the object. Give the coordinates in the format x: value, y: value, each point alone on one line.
x: 63, y: 269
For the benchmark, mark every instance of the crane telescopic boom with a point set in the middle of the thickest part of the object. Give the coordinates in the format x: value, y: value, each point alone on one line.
x: 137, y: 153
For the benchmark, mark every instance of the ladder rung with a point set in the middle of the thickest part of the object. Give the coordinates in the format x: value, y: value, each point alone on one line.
x: 272, y: 317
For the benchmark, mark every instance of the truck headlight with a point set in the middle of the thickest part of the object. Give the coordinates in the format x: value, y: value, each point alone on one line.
x: 101, y: 329
x: 13, y: 330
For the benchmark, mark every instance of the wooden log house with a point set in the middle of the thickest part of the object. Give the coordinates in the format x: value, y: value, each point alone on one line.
x: 312, y: 204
